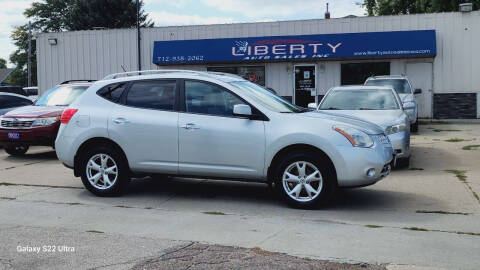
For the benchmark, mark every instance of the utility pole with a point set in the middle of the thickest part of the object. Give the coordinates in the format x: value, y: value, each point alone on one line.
x: 29, y: 55
x: 138, y: 37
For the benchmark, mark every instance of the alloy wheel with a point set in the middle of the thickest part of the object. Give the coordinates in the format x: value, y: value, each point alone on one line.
x: 102, y: 171
x: 302, y: 181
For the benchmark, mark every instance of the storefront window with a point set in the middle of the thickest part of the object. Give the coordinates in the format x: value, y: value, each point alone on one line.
x: 357, y: 73
x: 254, y: 74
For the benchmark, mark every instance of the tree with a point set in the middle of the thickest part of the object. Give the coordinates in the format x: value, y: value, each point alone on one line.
x: 20, y: 75
x: 395, y: 7
x: 3, y: 63
x: 69, y: 15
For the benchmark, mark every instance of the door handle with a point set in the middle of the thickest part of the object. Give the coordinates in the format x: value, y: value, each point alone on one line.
x: 190, y: 126
x: 121, y: 121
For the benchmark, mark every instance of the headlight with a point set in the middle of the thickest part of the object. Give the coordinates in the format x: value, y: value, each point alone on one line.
x: 45, y: 121
x: 356, y: 137
x: 396, y: 128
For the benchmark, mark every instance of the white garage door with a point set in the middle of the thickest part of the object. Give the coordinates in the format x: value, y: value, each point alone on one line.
x: 420, y: 76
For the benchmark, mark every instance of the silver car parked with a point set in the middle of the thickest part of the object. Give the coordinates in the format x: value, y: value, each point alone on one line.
x: 214, y: 125
x: 404, y: 89
x: 379, y: 105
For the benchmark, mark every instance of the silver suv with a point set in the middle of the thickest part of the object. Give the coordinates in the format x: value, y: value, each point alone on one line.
x: 402, y: 85
x: 215, y: 125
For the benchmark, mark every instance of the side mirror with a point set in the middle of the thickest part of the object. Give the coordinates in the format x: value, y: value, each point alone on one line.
x: 242, y: 110
x: 417, y: 91
x: 312, y: 106
x: 408, y: 107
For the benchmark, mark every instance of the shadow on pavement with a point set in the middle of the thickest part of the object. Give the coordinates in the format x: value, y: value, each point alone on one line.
x: 35, y: 156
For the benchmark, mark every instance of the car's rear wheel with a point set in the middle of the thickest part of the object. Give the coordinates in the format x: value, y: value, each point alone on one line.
x: 305, y: 181
x: 104, y: 171
x: 19, y: 150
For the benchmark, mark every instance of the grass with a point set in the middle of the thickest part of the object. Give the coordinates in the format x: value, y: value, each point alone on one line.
x: 373, y: 226
x: 123, y: 206
x: 463, y: 178
x: 469, y: 233
x: 455, y: 140
x: 415, y: 229
x: 441, y: 212
x: 214, y: 213
x: 433, y: 122
x: 440, y: 130
x: 460, y: 174
x: 471, y: 147
x: 94, y: 231
x: 6, y: 184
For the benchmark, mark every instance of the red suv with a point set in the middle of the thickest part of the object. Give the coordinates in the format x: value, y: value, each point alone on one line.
x: 37, y: 125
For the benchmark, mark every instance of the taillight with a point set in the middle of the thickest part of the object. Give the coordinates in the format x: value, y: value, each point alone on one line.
x: 67, y: 115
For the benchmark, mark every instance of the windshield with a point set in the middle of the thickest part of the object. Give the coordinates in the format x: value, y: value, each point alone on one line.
x: 360, y: 100
x: 61, y: 95
x: 400, y: 85
x: 266, y: 98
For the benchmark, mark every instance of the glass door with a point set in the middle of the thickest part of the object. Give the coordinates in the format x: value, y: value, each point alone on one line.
x: 305, y: 77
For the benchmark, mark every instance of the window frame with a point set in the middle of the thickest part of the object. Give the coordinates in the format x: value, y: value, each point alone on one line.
x: 256, y: 113
x: 123, y: 98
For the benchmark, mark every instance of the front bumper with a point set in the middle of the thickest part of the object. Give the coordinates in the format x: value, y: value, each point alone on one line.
x: 401, y: 144
x: 358, y: 161
x: 35, y: 136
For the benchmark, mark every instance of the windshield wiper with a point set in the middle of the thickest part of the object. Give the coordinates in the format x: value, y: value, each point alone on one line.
x: 62, y: 105
x: 330, y: 108
x: 366, y: 109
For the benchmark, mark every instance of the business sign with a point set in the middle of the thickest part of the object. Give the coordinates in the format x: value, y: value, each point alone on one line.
x: 420, y: 43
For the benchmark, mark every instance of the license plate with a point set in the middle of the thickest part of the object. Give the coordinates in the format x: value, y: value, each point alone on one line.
x: 13, y: 135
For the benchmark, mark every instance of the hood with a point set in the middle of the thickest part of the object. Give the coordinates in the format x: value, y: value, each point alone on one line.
x: 35, y: 111
x: 358, y: 123
x: 406, y: 97
x: 382, y: 118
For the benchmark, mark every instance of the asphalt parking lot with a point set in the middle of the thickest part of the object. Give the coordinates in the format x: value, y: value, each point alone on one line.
x: 427, y: 215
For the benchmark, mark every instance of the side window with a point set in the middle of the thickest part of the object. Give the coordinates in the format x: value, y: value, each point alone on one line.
x: 209, y: 99
x: 158, y: 95
x: 112, y: 92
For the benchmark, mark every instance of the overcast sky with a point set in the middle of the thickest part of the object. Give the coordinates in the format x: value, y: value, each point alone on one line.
x: 185, y: 12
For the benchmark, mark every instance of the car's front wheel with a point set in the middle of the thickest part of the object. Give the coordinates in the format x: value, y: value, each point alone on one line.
x: 19, y: 150
x: 104, y: 171
x: 305, y: 181
x: 414, y: 126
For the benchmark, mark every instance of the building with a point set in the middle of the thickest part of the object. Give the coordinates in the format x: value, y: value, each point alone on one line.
x: 300, y: 60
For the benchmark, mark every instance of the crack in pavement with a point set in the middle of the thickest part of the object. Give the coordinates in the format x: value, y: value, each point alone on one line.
x: 326, y: 221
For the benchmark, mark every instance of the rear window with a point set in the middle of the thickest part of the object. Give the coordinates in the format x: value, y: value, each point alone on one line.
x: 112, y: 92
x: 61, y: 95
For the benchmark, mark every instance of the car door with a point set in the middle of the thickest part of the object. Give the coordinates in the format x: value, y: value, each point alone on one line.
x: 145, y: 125
x: 214, y: 142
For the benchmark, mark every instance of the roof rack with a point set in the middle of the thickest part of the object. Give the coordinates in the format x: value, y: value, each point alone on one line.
x: 164, y: 71
x: 70, y: 81
x: 148, y: 72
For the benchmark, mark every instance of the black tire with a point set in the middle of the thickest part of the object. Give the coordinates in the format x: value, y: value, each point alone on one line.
x: 326, y: 170
x: 16, y: 150
x: 402, y: 163
x: 414, y: 127
x: 123, y: 173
